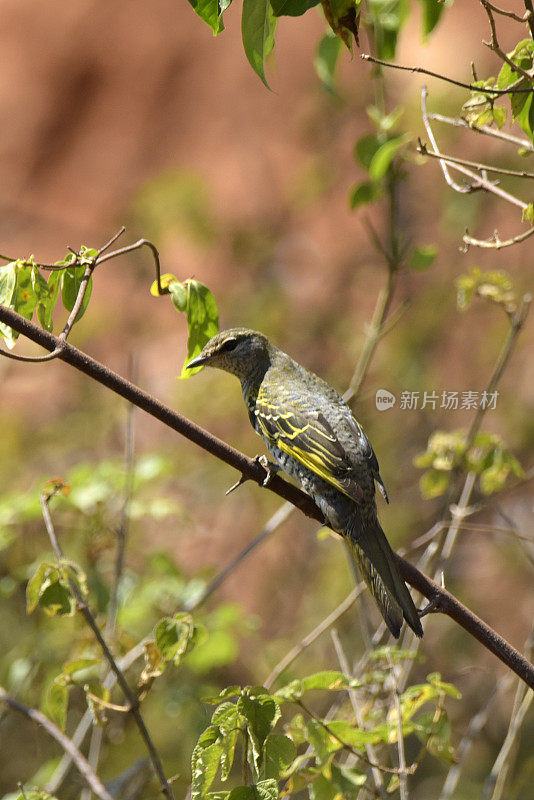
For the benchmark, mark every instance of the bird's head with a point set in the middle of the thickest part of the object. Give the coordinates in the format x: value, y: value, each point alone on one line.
x: 238, y: 350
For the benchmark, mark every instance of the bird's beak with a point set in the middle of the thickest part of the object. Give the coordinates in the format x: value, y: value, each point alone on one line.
x: 199, y: 361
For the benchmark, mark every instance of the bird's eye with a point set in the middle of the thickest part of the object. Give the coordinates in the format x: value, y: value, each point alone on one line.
x: 230, y: 344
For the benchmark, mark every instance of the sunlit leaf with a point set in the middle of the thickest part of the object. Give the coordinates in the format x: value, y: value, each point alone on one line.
x: 258, y: 23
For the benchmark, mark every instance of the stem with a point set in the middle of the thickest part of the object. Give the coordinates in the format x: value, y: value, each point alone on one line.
x: 83, y: 766
x: 132, y: 700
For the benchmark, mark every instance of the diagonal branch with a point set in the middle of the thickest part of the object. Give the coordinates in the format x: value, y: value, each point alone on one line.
x: 442, y: 600
x: 83, y: 766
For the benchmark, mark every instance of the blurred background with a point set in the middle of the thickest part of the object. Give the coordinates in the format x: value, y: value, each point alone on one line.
x: 133, y: 113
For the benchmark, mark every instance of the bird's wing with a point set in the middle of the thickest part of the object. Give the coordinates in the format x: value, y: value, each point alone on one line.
x: 307, y: 437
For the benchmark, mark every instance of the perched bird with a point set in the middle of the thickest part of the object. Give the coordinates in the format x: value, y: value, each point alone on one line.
x: 312, y: 435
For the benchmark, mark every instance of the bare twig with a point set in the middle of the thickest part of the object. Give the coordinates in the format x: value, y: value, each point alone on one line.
x: 319, y: 629
x: 457, y: 122
x: 514, y: 173
x: 353, y: 697
x: 477, y: 182
x: 493, y: 44
x: 132, y: 700
x: 494, y: 242
x: 423, y: 71
x: 82, y: 765
x: 444, y: 600
x: 504, y: 13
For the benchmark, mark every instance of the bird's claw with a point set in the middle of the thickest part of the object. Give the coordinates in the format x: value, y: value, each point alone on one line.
x: 431, y: 606
x: 270, y: 468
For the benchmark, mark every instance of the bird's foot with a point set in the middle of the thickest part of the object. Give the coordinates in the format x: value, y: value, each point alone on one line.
x: 432, y: 606
x: 270, y: 468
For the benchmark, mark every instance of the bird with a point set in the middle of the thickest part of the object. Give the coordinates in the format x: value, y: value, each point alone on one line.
x: 313, y: 436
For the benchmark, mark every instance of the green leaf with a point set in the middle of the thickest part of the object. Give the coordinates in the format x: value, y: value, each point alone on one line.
x: 80, y: 664
x: 49, y: 589
x: 263, y: 790
x: 47, y: 301
x: 202, y: 321
x: 8, y: 287
x: 57, y: 700
x: 260, y: 710
x: 364, y: 193
x: 326, y: 59
x: 173, y: 636
x: 432, y: 10
x: 422, y: 257
x: 348, y: 779
x: 205, y: 762
x: 499, y: 116
x: 70, y: 286
x: 447, y: 688
x: 528, y: 213
x: 495, y: 285
x: 381, y: 160
x: 229, y: 691
x: 292, y: 8
x: 365, y: 148
x: 279, y: 752
x: 434, y: 483
x: 179, y: 296
x: 258, y: 23
x: 211, y: 12
x: 229, y: 721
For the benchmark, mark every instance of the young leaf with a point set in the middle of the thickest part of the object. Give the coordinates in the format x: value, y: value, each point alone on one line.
x: 364, y: 193
x: 292, y: 8
x: 326, y: 59
x: 202, y: 321
x: 279, y: 753
x: 211, y: 11
x: 70, y: 286
x: 432, y: 10
x: 57, y: 700
x: 173, y: 635
x: 258, y: 23
x: 385, y: 154
x: 422, y: 257
x: 205, y: 762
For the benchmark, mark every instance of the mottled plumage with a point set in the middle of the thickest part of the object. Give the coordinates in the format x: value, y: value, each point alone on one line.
x: 312, y: 435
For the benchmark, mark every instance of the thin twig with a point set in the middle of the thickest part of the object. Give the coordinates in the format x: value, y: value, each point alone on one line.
x: 132, y: 700
x: 494, y: 242
x: 478, y: 182
x: 514, y: 173
x: 457, y: 122
x: 83, y: 766
x: 353, y: 697
x: 97, y: 733
x: 423, y: 71
x: 495, y: 47
x: 504, y: 13
x: 319, y: 629
x: 403, y: 776
x: 348, y: 747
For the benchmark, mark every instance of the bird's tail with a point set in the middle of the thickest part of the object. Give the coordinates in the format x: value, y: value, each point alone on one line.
x: 376, y: 562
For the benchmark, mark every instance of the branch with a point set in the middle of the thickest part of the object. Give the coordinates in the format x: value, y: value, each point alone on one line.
x: 458, y: 122
x: 251, y: 469
x: 472, y: 87
x: 84, y: 768
x: 494, y: 242
x: 514, y: 173
x: 478, y: 182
